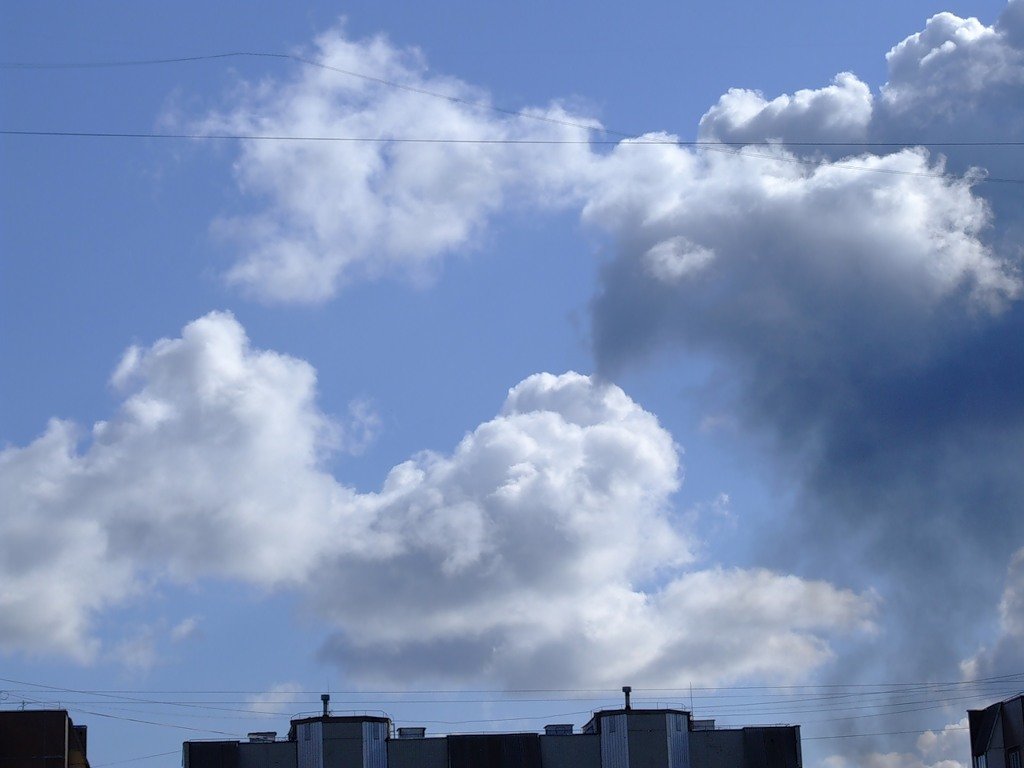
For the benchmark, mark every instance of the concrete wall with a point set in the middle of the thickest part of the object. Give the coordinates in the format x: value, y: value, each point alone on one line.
x: 278, y: 754
x: 1013, y: 723
x: 37, y: 738
x: 343, y: 745
x: 575, y: 751
x: 418, y: 753
x: 501, y: 750
x: 771, y: 747
x: 210, y: 754
x: 716, y: 749
x: 648, y: 740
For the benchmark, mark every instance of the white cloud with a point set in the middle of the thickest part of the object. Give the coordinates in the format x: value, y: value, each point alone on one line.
x: 335, y: 211
x: 362, y: 428
x: 676, y: 258
x: 280, y: 699
x: 838, y: 112
x: 138, y: 652
x: 949, y: 747
x: 185, y: 629
x: 1006, y: 654
x: 950, y: 69
x: 543, y: 545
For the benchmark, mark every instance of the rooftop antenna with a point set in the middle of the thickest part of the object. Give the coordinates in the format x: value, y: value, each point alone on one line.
x: 326, y: 699
x: 627, y: 689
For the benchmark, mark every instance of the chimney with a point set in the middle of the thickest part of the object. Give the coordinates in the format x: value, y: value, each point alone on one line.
x: 558, y: 729
x: 627, y: 689
x: 326, y: 699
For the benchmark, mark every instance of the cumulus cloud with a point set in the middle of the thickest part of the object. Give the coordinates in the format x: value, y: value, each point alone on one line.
x: 864, y: 302
x: 819, y: 265
x: 332, y: 211
x: 836, y: 113
x: 955, y: 72
x: 543, y: 544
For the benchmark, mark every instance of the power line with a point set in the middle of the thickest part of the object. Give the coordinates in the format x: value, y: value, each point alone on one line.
x: 591, y: 126
x: 877, y: 687
x: 136, y: 759
x: 628, y: 141
x: 734, y: 148
x: 881, y: 733
x: 320, y: 65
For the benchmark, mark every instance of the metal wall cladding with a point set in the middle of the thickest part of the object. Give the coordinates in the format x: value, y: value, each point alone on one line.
x: 309, y: 744
x: 614, y: 742
x: 375, y: 745
x: 678, y: 726
x: 505, y: 750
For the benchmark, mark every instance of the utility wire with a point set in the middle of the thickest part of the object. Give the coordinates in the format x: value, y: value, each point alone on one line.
x: 877, y: 688
x: 881, y: 733
x: 136, y: 759
x: 24, y: 65
x: 735, y: 148
x: 593, y: 126
x: 630, y: 140
x: 320, y: 65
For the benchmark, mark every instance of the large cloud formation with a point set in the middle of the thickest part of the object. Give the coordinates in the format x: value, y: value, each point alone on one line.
x: 856, y: 270
x: 543, y: 546
x: 866, y: 303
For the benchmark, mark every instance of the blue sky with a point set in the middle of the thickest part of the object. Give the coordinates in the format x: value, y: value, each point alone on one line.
x: 547, y: 412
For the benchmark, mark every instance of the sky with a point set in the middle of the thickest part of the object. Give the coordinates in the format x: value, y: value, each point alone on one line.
x: 471, y: 362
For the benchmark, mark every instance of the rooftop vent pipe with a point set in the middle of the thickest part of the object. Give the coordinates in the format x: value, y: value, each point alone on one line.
x: 326, y: 699
x: 627, y: 689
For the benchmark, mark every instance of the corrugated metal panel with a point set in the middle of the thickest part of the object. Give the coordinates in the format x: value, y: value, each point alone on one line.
x: 310, y: 744
x: 678, y: 727
x: 614, y: 742
x: 375, y: 745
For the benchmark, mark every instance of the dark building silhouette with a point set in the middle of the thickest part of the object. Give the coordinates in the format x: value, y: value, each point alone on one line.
x: 613, y: 738
x: 41, y: 739
x: 997, y: 734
